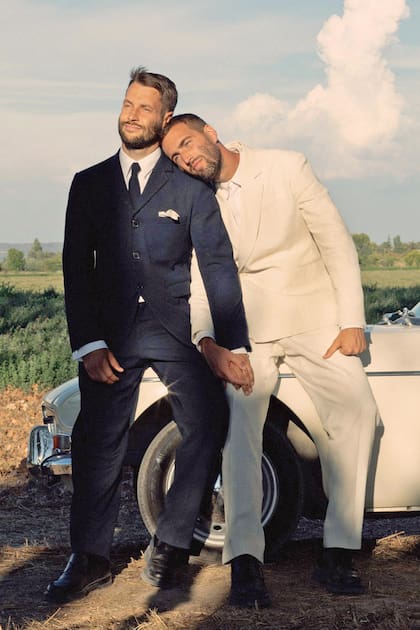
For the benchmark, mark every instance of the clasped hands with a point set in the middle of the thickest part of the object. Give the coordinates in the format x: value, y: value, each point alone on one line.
x: 231, y: 367
x: 103, y: 367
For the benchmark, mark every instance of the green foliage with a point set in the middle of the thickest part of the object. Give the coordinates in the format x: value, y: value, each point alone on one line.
x: 15, y: 260
x: 388, y: 299
x: 34, y: 347
x: 412, y: 258
x: 19, y: 308
x: 38, y: 260
x: 36, y: 250
x: 364, y: 247
x: 389, y: 254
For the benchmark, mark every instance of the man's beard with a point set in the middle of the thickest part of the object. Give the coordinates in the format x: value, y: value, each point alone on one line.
x: 213, y: 164
x: 147, y: 137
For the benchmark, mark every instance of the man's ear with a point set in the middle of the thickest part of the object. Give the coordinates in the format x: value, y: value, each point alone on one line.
x: 210, y: 133
x: 166, y: 118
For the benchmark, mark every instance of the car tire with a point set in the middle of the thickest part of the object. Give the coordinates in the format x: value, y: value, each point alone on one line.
x: 282, y: 483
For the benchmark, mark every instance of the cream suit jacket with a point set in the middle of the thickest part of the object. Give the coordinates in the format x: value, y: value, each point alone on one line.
x: 297, y: 262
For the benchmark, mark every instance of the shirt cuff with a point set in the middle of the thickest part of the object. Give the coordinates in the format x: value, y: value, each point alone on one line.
x: 88, y: 347
x: 198, y: 336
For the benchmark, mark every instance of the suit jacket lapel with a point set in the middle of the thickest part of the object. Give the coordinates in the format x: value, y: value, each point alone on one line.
x: 158, y: 178
x: 117, y: 185
x: 251, y: 193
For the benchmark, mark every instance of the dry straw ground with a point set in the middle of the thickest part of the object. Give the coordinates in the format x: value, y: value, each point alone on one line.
x: 34, y: 547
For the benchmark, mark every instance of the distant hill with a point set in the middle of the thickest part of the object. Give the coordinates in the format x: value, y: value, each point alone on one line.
x: 54, y: 248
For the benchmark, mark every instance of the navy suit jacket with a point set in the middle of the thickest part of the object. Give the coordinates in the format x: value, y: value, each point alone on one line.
x: 113, y: 253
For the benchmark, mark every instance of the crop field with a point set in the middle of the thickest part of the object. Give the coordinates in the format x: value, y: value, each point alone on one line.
x: 38, y: 281
x: 32, y: 280
x: 391, y: 277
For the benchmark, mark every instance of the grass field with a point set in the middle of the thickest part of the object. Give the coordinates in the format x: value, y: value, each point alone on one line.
x: 391, y: 277
x: 38, y: 281
x: 33, y: 280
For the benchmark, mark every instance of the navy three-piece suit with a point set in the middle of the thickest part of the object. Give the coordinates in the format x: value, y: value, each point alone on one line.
x: 113, y: 254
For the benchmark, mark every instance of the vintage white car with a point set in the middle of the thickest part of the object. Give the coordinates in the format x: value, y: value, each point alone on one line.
x: 293, y: 440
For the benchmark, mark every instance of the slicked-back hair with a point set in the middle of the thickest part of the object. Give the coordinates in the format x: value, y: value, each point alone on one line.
x: 191, y: 120
x: 165, y: 87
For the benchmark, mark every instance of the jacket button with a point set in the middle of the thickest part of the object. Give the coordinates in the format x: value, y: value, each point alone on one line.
x: 136, y: 255
x: 135, y: 223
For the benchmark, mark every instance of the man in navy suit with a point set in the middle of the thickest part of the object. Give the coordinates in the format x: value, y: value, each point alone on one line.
x: 131, y: 225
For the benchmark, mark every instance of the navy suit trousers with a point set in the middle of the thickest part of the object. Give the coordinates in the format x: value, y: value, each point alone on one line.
x: 100, y: 436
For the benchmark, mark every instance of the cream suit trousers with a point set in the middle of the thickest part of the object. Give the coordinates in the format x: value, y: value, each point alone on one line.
x: 343, y: 399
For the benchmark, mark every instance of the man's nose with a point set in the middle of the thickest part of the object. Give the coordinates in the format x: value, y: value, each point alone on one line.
x: 133, y: 114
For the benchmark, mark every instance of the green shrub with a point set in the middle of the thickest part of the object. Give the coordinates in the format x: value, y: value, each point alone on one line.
x: 388, y: 299
x: 34, y: 347
x: 19, y: 308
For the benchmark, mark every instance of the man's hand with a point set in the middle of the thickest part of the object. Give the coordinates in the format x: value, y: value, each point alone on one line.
x: 101, y: 366
x: 349, y: 341
x: 231, y: 367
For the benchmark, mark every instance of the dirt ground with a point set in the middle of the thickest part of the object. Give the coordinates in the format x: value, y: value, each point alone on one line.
x: 34, y: 548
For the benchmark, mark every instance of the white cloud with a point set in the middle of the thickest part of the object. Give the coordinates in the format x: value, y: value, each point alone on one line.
x: 355, y: 122
x: 261, y: 111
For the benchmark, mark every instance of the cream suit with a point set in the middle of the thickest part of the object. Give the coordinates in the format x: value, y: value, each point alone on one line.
x: 301, y: 283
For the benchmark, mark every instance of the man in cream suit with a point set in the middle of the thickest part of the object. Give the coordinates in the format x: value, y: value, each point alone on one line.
x: 304, y: 304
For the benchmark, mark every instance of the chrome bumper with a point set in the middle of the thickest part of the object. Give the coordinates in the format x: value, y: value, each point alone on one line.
x: 44, y: 457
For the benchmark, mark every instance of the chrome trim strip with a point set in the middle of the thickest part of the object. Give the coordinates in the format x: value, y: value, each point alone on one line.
x: 58, y: 464
x: 407, y: 509
x: 395, y: 373
x: 384, y: 373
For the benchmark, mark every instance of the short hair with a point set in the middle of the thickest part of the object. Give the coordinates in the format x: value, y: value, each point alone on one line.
x: 191, y: 120
x: 162, y: 84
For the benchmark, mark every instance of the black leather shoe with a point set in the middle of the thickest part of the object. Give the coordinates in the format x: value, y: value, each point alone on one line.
x: 248, y: 588
x: 84, y: 573
x: 163, y: 562
x: 335, y: 571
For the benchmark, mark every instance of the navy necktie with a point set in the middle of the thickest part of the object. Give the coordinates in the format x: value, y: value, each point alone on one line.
x: 133, y: 185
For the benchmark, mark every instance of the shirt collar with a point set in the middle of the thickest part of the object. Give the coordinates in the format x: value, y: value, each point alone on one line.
x: 235, y: 181
x: 147, y: 163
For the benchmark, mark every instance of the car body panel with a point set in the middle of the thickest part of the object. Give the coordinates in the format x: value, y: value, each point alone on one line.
x: 392, y: 363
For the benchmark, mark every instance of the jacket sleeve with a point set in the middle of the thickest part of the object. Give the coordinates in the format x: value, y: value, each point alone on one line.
x: 201, y: 319
x: 215, y: 264
x: 334, y: 242
x: 80, y: 293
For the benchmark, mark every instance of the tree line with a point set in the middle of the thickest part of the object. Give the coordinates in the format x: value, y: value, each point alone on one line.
x: 35, y: 260
x: 391, y: 253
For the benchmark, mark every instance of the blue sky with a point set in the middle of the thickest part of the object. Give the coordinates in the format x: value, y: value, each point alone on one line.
x: 336, y: 79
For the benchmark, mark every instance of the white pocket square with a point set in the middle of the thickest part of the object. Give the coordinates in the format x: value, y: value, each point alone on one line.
x: 171, y: 214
